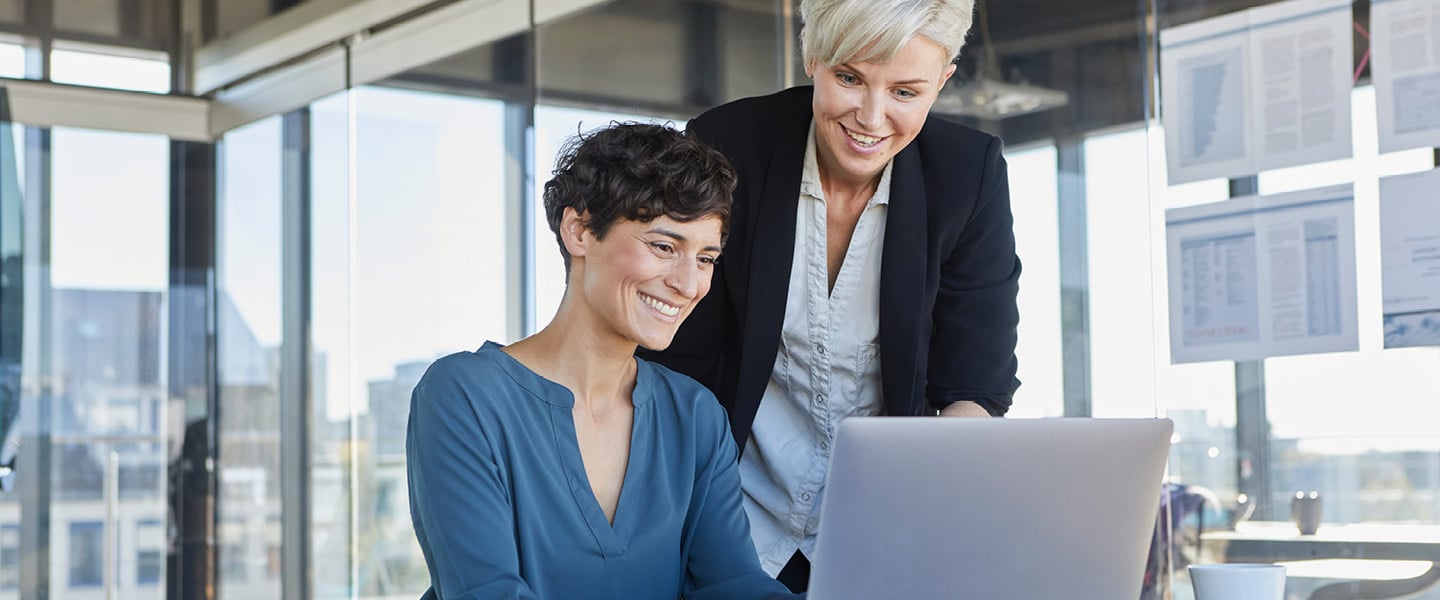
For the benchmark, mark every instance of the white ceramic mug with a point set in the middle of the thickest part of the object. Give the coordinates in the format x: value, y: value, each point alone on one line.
x: 1238, y: 581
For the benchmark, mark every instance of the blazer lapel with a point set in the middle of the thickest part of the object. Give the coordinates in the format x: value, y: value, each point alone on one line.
x: 772, y: 252
x: 902, y: 284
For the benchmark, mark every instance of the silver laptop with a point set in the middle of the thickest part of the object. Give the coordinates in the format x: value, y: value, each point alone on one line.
x: 989, y: 509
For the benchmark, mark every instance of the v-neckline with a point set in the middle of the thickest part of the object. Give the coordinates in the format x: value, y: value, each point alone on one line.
x: 612, y: 537
x: 567, y: 444
x: 608, y: 534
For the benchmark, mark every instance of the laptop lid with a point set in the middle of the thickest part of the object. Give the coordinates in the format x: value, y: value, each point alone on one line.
x: 990, y: 509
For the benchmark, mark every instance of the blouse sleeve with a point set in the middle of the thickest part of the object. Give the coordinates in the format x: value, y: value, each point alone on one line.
x: 722, y: 563
x: 462, y: 514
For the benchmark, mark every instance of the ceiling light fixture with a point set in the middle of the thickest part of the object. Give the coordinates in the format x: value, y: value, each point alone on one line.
x: 988, y: 95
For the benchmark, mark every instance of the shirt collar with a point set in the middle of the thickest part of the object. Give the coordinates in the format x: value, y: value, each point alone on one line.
x: 810, y: 175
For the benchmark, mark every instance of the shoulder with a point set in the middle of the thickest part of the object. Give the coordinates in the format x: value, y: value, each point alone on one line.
x: 460, y: 368
x: 467, y: 381
x: 943, y: 139
x: 754, y: 119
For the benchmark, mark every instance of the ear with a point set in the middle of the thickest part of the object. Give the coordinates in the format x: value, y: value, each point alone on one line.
x: 575, y: 233
x: 945, y: 76
x: 810, y: 69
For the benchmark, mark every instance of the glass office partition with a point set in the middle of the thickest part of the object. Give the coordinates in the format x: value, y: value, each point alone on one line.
x: 410, y: 251
x: 12, y: 320
x: 248, y: 327
x: 1325, y: 416
x: 430, y: 252
x: 1034, y: 189
x: 105, y: 364
x: 332, y: 390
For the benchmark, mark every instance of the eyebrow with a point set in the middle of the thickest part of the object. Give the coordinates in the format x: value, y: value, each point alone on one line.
x: 851, y: 67
x: 679, y: 238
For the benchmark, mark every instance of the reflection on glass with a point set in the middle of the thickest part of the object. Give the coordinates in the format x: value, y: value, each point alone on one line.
x: 109, y: 243
x: 87, y: 554
x: 84, y: 67
x: 12, y: 315
x: 249, y: 334
x: 9, y: 557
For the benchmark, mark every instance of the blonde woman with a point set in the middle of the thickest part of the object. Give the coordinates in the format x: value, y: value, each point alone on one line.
x: 872, y: 269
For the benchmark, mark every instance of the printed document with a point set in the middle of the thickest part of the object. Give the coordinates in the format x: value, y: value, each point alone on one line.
x: 1410, y: 259
x: 1405, y: 67
x: 1262, y: 276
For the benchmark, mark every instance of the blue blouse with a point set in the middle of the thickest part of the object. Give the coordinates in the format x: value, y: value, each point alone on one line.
x: 503, y: 509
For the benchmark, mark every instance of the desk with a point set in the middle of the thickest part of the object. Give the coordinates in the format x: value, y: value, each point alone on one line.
x: 1279, y: 542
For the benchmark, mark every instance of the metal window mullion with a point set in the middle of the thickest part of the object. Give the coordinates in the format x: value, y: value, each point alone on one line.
x: 520, y: 198
x: 33, y: 471
x: 1252, y: 423
x: 1074, y: 278
x: 519, y: 218
x: 191, y: 373
x: 294, y: 357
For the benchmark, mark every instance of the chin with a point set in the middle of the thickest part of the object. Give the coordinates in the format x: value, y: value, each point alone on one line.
x: 657, y: 344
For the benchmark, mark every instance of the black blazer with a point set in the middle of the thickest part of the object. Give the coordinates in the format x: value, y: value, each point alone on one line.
x: 948, y: 274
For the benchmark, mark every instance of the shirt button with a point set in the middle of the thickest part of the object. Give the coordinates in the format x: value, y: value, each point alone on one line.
x: 824, y: 444
x: 819, y: 398
x: 820, y: 348
x: 805, y: 496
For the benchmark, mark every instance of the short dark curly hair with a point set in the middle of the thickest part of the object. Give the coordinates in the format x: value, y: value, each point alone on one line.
x: 637, y: 171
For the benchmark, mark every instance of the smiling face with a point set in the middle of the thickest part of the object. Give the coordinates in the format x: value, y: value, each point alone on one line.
x: 866, y: 113
x: 641, y: 281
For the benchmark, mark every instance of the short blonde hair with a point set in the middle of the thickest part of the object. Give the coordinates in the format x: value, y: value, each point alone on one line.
x: 842, y: 31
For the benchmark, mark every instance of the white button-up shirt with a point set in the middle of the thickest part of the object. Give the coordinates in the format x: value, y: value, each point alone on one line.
x: 827, y: 368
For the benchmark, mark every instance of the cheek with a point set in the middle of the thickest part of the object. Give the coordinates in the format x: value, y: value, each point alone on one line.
x: 704, y: 287
x: 912, y: 118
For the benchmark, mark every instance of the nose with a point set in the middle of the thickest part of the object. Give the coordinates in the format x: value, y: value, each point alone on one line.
x: 685, y: 279
x: 871, y: 110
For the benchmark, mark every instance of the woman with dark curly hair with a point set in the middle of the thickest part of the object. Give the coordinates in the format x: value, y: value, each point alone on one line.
x: 561, y: 466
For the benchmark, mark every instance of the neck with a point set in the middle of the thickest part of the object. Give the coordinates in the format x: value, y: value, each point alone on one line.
x: 571, y: 351
x: 842, y: 188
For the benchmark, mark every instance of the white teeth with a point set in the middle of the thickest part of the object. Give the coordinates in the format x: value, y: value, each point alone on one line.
x: 665, y: 309
x: 864, y: 140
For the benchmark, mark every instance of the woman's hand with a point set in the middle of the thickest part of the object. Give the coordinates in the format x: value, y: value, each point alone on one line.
x: 964, y: 408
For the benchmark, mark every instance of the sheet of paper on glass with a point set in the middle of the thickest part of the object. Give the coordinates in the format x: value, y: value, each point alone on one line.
x: 1261, y: 276
x: 1259, y: 89
x: 1405, y: 67
x: 1203, y: 87
x: 1410, y: 259
x: 1301, y: 78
